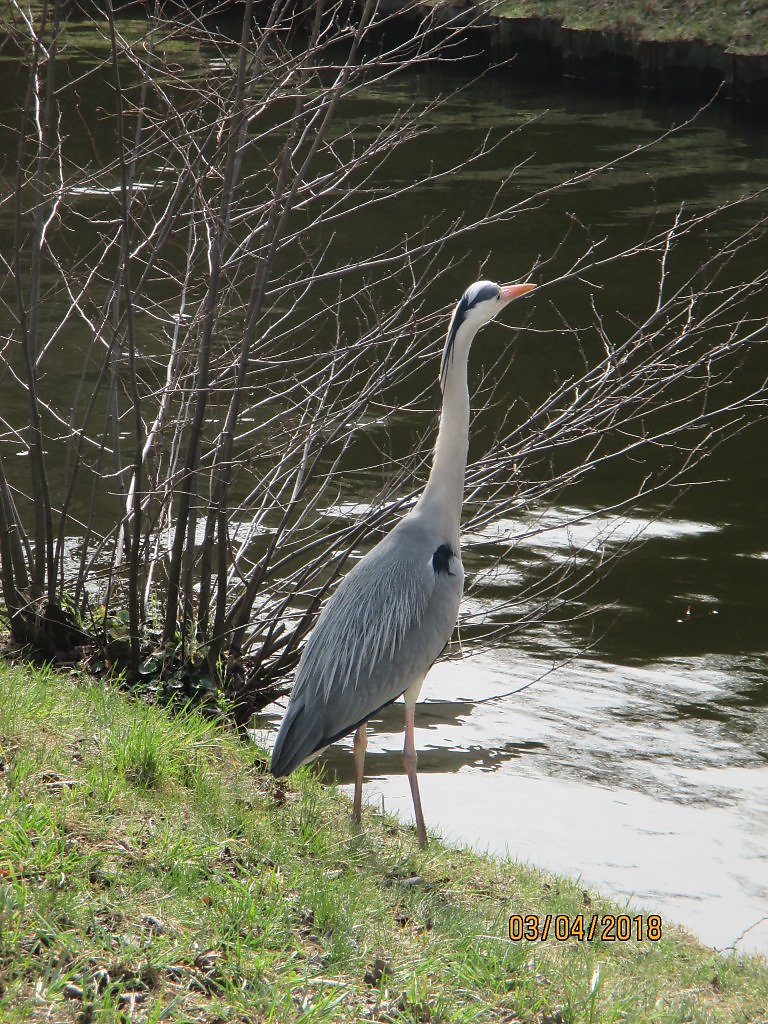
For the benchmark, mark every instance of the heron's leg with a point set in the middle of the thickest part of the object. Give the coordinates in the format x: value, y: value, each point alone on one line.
x: 359, y: 745
x: 410, y: 760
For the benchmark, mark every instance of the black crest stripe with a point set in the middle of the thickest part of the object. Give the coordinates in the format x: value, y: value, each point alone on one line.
x: 458, y: 316
x: 487, y: 291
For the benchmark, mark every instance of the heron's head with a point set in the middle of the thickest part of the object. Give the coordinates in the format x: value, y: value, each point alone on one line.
x: 481, y: 302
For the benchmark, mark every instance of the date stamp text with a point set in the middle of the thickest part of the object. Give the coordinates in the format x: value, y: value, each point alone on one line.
x: 585, y: 927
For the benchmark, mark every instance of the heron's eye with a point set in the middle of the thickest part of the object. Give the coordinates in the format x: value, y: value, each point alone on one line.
x: 482, y: 293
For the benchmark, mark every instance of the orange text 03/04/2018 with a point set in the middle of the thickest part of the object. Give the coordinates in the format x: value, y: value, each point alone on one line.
x: 603, y: 927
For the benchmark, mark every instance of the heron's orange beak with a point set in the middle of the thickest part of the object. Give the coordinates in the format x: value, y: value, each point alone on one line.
x: 514, y: 291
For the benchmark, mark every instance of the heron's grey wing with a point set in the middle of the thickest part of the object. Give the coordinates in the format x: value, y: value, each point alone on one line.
x: 386, y: 623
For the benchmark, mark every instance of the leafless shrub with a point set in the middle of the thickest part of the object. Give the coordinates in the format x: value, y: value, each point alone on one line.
x: 214, y: 420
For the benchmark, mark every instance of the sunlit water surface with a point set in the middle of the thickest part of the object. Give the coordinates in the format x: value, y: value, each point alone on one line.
x: 645, y: 778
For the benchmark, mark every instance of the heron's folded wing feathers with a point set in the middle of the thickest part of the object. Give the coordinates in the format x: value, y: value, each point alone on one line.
x: 366, y: 623
x: 385, y: 624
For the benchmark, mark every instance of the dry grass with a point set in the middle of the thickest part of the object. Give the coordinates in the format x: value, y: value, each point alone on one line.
x: 738, y: 26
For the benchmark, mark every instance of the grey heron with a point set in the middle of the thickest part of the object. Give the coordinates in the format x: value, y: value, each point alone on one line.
x: 393, y: 613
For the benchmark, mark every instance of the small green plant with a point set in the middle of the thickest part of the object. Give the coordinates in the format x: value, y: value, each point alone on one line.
x: 139, y: 755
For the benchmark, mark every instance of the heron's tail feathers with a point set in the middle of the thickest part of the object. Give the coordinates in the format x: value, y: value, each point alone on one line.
x: 300, y: 736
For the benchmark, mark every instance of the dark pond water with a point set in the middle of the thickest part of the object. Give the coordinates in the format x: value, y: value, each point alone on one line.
x: 638, y: 758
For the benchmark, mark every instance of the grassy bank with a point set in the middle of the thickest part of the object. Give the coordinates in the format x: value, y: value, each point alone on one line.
x: 150, y: 870
x: 742, y: 27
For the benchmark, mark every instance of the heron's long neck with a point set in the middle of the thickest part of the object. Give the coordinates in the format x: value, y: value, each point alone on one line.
x: 444, y: 491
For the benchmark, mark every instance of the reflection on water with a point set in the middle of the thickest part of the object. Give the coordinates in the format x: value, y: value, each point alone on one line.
x: 596, y: 772
x: 645, y: 776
